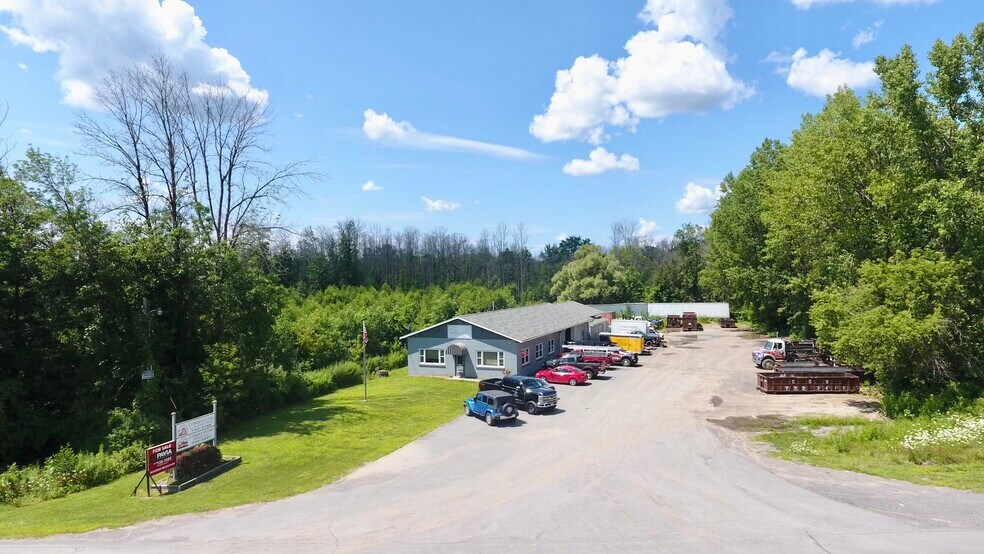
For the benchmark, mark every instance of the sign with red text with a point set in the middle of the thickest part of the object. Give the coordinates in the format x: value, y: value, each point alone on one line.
x: 195, y: 431
x: 161, y: 457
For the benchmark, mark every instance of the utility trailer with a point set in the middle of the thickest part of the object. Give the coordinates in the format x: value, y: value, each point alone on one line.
x: 808, y: 382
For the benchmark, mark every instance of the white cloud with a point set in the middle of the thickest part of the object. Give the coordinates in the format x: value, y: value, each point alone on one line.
x: 600, y: 161
x: 382, y: 127
x: 561, y: 237
x: 697, y: 199
x: 439, y: 205
x: 298, y: 115
x: 679, y: 67
x: 822, y: 74
x: 807, y: 4
x: 647, y: 228
x: 370, y: 186
x: 864, y: 36
x: 22, y: 66
x: 91, y: 38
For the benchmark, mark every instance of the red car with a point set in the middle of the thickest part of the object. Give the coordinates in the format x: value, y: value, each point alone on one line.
x: 563, y: 374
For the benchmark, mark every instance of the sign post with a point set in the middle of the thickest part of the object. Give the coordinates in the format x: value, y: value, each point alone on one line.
x: 174, y: 472
x: 215, y: 420
x: 365, y: 374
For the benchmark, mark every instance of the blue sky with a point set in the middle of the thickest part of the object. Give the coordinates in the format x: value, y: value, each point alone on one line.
x: 453, y: 88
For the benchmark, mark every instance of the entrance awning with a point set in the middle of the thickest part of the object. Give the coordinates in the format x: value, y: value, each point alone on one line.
x: 456, y: 349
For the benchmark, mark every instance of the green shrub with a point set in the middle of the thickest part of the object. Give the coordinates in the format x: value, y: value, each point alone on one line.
x: 346, y: 374
x: 198, y: 460
x: 13, y: 484
x: 396, y: 360
x: 318, y: 382
x: 129, y: 426
x: 68, y: 471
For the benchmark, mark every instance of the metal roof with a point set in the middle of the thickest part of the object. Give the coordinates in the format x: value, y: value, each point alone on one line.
x: 527, y: 322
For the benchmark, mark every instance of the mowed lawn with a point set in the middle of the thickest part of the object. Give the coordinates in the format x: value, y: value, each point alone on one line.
x: 285, y: 453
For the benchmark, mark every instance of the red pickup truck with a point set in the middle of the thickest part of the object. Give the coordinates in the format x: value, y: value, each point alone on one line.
x: 592, y: 357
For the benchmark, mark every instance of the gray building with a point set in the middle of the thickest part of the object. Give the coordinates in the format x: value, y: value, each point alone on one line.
x: 482, y: 345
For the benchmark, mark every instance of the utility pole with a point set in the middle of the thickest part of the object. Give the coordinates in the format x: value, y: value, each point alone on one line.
x: 148, y: 373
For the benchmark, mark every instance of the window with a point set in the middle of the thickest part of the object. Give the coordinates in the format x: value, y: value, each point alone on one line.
x: 550, y: 346
x: 491, y: 359
x: 524, y: 356
x: 539, y: 350
x: 431, y: 356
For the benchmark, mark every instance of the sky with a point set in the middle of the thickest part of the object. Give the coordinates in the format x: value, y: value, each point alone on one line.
x: 562, y: 115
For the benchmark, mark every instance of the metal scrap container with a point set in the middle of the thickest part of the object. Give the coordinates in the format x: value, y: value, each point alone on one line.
x: 808, y: 382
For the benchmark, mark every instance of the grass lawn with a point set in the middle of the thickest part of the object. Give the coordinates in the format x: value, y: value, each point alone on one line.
x: 941, y: 452
x: 284, y: 453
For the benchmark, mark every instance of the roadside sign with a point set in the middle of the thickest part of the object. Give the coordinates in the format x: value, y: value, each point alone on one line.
x: 193, y: 432
x: 147, y: 374
x: 161, y: 457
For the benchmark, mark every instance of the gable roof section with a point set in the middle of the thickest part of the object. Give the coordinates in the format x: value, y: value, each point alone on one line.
x: 527, y: 322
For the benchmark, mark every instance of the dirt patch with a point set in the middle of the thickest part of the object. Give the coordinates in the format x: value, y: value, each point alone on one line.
x: 751, y: 423
x: 753, y: 335
x: 716, y: 401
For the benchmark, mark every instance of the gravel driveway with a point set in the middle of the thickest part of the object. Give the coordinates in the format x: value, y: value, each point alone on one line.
x: 627, y: 463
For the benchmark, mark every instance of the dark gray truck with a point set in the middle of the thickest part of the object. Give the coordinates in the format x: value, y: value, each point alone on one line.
x: 531, y: 393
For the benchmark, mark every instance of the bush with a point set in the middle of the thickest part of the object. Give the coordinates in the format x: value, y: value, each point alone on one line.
x: 396, y: 360
x: 198, y: 460
x: 129, y: 426
x: 318, y: 382
x: 346, y: 374
x: 68, y: 471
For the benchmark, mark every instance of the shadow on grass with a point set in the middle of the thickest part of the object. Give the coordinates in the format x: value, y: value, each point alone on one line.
x: 301, y: 419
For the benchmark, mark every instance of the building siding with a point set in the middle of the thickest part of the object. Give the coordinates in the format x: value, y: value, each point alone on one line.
x: 437, y: 338
x: 481, y: 339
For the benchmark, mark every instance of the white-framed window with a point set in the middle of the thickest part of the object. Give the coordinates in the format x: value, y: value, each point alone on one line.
x: 524, y: 356
x: 551, y: 347
x: 490, y: 358
x: 431, y: 356
x: 539, y: 350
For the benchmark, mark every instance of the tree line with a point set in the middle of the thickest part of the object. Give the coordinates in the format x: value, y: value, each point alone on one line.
x: 170, y: 261
x: 351, y: 253
x: 866, y: 229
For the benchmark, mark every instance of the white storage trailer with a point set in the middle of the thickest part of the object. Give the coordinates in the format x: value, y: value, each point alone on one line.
x: 628, y: 326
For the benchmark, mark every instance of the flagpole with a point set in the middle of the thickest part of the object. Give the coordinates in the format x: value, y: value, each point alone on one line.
x: 365, y: 374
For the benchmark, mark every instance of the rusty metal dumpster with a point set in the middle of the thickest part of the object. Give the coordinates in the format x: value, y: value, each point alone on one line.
x: 690, y: 322
x: 808, y: 383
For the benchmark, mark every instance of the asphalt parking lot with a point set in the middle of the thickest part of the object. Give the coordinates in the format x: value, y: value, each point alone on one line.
x: 628, y: 462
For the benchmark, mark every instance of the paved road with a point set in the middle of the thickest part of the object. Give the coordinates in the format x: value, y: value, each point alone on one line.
x: 626, y: 464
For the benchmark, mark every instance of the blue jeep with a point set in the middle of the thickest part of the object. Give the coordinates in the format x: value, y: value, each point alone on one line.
x: 493, y: 405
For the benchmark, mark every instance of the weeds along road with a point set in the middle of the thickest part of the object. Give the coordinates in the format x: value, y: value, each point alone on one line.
x: 628, y: 463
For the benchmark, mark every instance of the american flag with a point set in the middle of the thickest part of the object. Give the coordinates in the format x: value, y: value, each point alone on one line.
x: 365, y: 334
